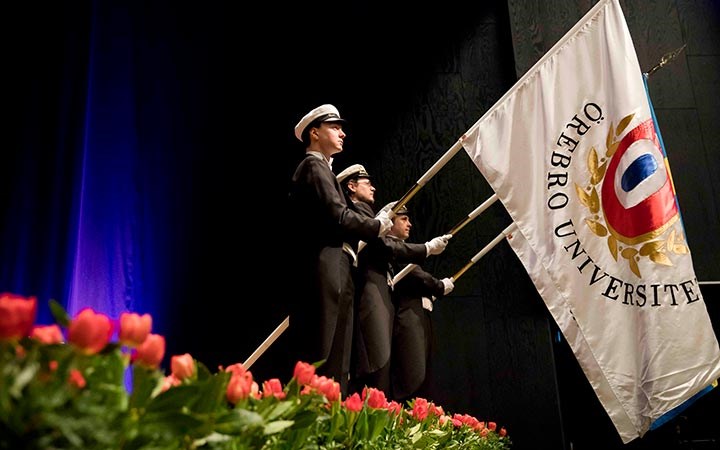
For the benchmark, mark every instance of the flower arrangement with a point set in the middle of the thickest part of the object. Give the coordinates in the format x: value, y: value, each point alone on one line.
x: 71, y: 394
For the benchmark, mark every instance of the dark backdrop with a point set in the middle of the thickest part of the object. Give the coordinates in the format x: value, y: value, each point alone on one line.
x: 165, y: 129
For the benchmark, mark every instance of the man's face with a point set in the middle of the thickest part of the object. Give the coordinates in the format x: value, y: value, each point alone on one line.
x: 401, y: 227
x: 328, y: 138
x: 364, y: 190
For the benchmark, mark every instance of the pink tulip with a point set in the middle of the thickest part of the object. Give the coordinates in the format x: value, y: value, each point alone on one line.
x: 394, y: 408
x: 77, y: 379
x: 420, y: 409
x: 353, y: 403
x: 150, y: 353
x: 235, y: 369
x: 134, y: 328
x: 240, y: 387
x: 90, y: 331
x: 168, y: 382
x: 502, y: 432
x: 182, y: 366
x: 17, y: 315
x: 47, y: 334
x: 273, y: 388
x: 304, y: 373
x: 375, y: 397
x: 327, y: 386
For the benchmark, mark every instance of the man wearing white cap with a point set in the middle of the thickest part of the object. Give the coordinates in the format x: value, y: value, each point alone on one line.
x: 412, y: 329
x: 321, y: 313
x: 374, y: 310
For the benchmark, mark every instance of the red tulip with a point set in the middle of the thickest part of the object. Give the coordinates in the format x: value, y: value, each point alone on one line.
x: 77, y: 379
x: 182, y: 366
x: 90, y: 331
x: 240, y: 387
x: 375, y: 398
x: 134, y: 328
x: 326, y: 386
x: 353, y: 403
x: 273, y: 388
x: 150, y: 353
x: 47, y: 334
x: 168, y: 382
x: 17, y: 315
x: 303, y: 373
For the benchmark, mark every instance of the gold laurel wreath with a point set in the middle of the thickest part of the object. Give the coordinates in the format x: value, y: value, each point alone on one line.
x: 653, y: 250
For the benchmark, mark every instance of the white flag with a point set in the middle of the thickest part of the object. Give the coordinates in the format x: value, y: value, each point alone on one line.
x: 574, y: 153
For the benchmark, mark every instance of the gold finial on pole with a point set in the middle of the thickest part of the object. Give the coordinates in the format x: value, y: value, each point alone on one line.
x: 666, y: 58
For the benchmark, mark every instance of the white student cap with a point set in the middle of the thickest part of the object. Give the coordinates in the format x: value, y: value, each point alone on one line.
x: 354, y: 171
x: 323, y: 113
x: 389, y: 206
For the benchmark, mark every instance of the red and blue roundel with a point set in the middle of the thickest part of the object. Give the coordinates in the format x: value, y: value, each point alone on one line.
x: 638, y: 198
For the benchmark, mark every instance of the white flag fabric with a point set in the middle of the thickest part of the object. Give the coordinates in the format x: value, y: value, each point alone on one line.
x: 574, y: 154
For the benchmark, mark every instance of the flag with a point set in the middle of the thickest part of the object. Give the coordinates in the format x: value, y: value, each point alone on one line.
x: 574, y: 153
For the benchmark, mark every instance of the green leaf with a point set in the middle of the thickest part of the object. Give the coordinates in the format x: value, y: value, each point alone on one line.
x: 145, y: 381
x: 59, y: 313
x: 25, y: 376
x: 278, y: 410
x: 277, y: 426
x: 174, y: 399
x: 211, y: 393
x: 238, y: 421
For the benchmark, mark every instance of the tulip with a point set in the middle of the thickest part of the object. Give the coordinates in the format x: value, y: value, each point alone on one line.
x: 90, y: 331
x: 134, y: 328
x: 375, y: 397
x: 240, y: 387
x: 17, y: 315
x: 76, y: 379
x: 327, y: 386
x: 394, y: 408
x: 150, y: 353
x: 47, y: 334
x: 304, y: 373
x: 273, y: 388
x: 353, y: 403
x: 182, y: 366
x: 168, y: 382
x: 420, y: 409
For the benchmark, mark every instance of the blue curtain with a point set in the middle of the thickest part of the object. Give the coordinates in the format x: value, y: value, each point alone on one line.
x: 86, y: 222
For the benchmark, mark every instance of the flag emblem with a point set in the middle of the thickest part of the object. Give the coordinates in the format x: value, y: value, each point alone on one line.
x: 637, y: 196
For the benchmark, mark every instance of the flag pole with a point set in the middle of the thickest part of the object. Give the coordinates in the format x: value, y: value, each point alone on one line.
x: 452, y: 151
x: 267, y: 342
x: 512, y: 227
x: 453, y: 231
x: 476, y: 212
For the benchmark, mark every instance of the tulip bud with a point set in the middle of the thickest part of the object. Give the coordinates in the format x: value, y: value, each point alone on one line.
x: 47, y: 334
x: 150, y: 353
x: 182, y: 366
x: 90, y: 331
x: 17, y: 315
x: 134, y: 328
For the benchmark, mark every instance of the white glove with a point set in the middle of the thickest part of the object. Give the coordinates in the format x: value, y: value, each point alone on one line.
x: 385, y: 223
x: 448, y: 285
x: 427, y: 303
x: 437, y: 245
